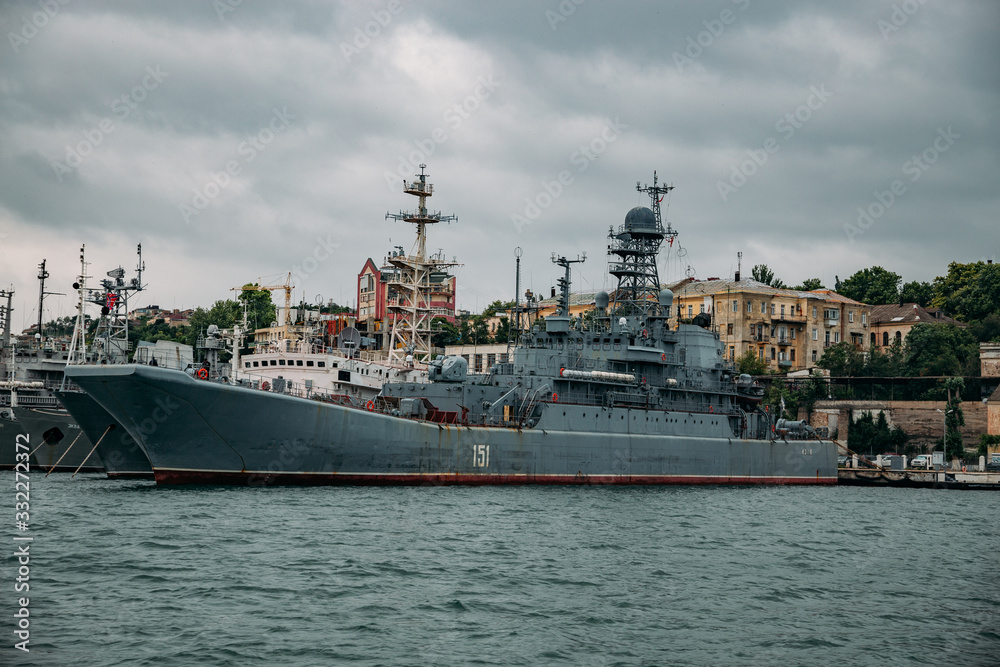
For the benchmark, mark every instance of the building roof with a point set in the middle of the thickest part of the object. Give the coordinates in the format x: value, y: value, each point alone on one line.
x: 751, y: 286
x: 909, y: 313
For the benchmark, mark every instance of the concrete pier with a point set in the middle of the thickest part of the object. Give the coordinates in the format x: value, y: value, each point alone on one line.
x: 934, y: 479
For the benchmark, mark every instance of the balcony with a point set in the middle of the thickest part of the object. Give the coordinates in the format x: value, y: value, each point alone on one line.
x: 790, y: 317
x: 832, y: 323
x: 757, y: 338
x: 784, y: 363
x: 783, y: 340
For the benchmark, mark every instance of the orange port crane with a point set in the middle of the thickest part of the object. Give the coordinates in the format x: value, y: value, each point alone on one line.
x: 288, y: 287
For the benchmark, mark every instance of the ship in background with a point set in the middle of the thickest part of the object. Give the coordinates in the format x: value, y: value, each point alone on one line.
x: 621, y: 398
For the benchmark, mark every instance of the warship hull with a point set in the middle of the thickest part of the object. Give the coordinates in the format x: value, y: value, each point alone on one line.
x: 200, y: 432
x: 119, y: 453
x: 58, y: 442
x: 9, y: 430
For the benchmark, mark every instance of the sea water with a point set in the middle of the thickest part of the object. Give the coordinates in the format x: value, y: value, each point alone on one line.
x: 128, y: 573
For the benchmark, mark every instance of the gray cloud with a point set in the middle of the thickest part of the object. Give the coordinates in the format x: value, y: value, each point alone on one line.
x: 368, y: 105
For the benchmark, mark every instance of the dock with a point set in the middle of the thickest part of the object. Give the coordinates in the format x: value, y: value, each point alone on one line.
x: 930, y: 479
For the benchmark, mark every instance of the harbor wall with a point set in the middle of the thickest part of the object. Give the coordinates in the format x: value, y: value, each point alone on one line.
x: 919, y: 419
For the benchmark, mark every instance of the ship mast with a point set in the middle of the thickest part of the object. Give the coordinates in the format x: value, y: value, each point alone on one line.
x: 78, y: 346
x: 412, y: 312
x: 634, y: 248
x: 111, y: 338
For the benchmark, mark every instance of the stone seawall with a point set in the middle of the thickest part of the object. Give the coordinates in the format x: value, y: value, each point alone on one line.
x: 919, y: 419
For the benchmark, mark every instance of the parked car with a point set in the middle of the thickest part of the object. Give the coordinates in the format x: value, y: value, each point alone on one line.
x: 921, y: 461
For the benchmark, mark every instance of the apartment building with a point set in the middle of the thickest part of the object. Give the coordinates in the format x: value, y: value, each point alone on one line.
x: 788, y: 329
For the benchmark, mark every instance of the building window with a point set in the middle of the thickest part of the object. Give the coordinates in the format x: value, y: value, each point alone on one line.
x: 760, y: 354
x: 749, y: 307
x: 885, y: 339
x: 793, y: 354
x: 864, y: 318
x: 793, y: 333
x: 490, y: 360
x: 814, y: 312
x: 732, y: 352
x: 690, y: 310
x: 478, y: 363
x: 836, y: 336
x: 772, y: 310
x: 874, y: 339
x: 772, y: 354
x: 736, y: 306
x: 827, y: 339
x: 899, y: 336
x: 850, y: 316
x: 702, y: 308
x: 763, y: 307
x: 782, y: 310
x: 815, y: 334
x: 814, y: 356
x: 729, y: 329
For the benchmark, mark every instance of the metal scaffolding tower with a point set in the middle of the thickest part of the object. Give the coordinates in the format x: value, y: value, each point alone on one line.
x: 634, y: 248
x: 411, y: 310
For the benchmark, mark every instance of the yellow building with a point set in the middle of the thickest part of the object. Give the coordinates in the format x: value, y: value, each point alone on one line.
x: 788, y: 329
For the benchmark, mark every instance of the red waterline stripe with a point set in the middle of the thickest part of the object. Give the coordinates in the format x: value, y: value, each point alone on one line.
x: 346, y: 479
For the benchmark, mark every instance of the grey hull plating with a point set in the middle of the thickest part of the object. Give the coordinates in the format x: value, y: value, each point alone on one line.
x: 66, y: 448
x: 121, y: 455
x: 203, y: 432
x: 9, y: 430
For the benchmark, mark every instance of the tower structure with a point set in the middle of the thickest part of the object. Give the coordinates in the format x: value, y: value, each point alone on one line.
x: 633, y: 249
x: 111, y: 344
x: 78, y: 346
x: 412, y: 311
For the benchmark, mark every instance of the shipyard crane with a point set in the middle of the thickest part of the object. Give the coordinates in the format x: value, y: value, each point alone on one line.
x: 288, y: 287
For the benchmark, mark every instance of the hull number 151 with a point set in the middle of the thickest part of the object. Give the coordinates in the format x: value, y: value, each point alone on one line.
x: 481, y: 456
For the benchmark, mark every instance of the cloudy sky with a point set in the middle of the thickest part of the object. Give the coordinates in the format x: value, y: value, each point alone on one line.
x: 239, y: 141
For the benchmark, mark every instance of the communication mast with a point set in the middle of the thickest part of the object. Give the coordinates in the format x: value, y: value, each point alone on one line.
x: 634, y: 248
x: 412, y: 282
x: 111, y: 344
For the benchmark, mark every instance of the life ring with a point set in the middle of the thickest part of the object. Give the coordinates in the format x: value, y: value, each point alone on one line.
x: 561, y: 372
x: 370, y: 405
x: 711, y: 408
x: 963, y: 468
x: 663, y: 357
x: 265, y: 385
x: 555, y: 397
x: 645, y: 333
x: 202, y: 373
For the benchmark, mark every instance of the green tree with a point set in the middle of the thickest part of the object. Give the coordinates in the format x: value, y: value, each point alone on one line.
x: 885, y: 361
x: 751, y: 364
x: 875, y: 286
x: 261, y: 310
x: 970, y: 292
x: 843, y: 360
x: 940, y: 349
x: 503, y: 331
x: 954, y: 418
x: 496, y: 307
x: 986, y: 442
x: 810, y: 284
x: 223, y: 314
x: 762, y: 274
x: 988, y: 329
x: 446, y: 334
x: 917, y: 292
x: 873, y: 436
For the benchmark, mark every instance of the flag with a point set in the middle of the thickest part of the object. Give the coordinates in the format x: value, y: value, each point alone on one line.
x: 110, y: 302
x: 671, y: 242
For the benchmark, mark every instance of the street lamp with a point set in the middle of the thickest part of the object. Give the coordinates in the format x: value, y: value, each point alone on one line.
x: 944, y: 435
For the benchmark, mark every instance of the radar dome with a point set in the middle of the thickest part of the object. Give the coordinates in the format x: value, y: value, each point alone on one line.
x: 640, y: 217
x: 601, y: 299
x: 666, y: 298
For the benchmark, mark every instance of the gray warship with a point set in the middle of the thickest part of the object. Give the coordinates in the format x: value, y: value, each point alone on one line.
x: 624, y: 397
